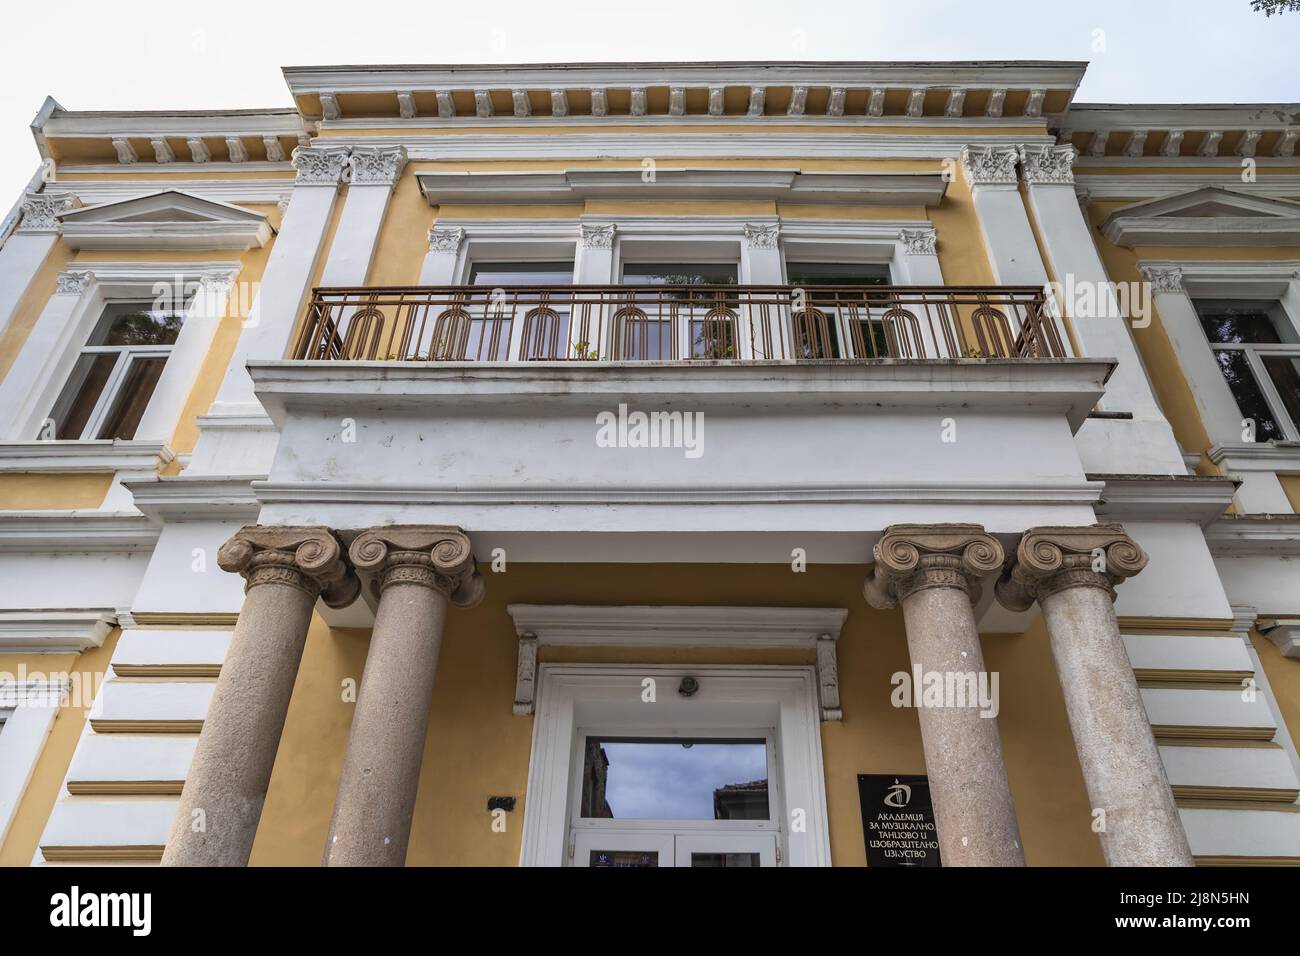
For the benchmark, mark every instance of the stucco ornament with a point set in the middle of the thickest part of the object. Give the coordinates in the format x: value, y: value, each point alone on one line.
x: 1048, y: 164
x: 446, y: 240
x: 919, y: 242
x: 41, y: 211
x: 598, y: 236
x: 912, y: 557
x: 433, y: 556
x: 319, y: 165
x: 375, y: 164
x: 761, y: 236
x: 989, y: 165
x: 1051, y: 559
x: 308, y: 558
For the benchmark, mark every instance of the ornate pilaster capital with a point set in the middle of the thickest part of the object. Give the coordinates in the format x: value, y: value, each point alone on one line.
x: 989, y: 165
x: 430, y: 555
x: 919, y: 242
x: 320, y: 165
x: 308, y: 558
x: 377, y: 164
x: 762, y: 235
x: 1048, y: 164
x: 1052, y: 559
x: 41, y: 212
x: 72, y: 283
x: 597, y: 235
x: 913, y: 557
x: 1163, y: 279
x: 446, y: 240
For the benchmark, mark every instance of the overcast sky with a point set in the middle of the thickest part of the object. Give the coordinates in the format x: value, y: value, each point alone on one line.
x: 175, y: 54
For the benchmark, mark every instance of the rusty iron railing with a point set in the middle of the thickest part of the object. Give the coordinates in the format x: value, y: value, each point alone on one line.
x: 677, y: 323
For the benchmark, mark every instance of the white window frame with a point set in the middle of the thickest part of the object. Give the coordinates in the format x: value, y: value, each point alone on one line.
x: 731, y: 699
x: 107, y: 282
x: 126, y: 356
x: 1255, y: 353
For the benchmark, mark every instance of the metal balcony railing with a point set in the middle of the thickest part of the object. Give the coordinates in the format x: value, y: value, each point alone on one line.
x: 626, y: 323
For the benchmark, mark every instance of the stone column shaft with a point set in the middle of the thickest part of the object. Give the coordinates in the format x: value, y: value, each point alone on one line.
x: 931, y: 570
x: 1072, y: 572
x: 418, y: 570
x: 221, y: 803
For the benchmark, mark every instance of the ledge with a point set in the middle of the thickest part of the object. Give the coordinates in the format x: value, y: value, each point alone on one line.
x: 567, y: 625
x: 55, y: 457
x: 179, y: 498
x: 57, y: 532
x: 1257, y: 456
x: 1244, y: 535
x: 1198, y: 498
x: 1068, y: 386
x: 55, y: 631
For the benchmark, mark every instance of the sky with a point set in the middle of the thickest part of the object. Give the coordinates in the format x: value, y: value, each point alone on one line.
x: 177, y: 54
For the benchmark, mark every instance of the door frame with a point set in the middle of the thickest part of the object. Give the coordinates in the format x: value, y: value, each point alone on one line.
x: 570, y: 696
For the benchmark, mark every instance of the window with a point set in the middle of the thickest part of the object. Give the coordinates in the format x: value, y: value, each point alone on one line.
x: 671, y: 321
x: 1258, y: 351
x: 836, y: 323
x: 545, y: 319
x: 116, y: 372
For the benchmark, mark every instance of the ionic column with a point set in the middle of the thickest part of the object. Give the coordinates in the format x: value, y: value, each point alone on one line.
x: 417, y: 569
x: 1072, y: 573
x: 287, y: 569
x: 933, y: 571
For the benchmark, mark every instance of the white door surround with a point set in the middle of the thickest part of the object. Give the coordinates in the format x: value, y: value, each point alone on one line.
x: 731, y: 701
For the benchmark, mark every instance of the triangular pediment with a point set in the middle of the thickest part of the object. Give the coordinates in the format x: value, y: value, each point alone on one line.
x: 169, y: 206
x: 167, y: 219
x: 1206, y: 216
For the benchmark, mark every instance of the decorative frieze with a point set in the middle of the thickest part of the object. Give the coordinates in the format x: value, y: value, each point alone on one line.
x: 162, y: 150
x: 717, y: 103
x: 236, y: 150
x: 329, y: 107
x: 919, y: 242
x: 1048, y: 164
x: 798, y: 101
x: 761, y: 235
x: 41, y: 211
x: 483, y: 104
x: 757, y: 100
x: 432, y: 556
x: 72, y: 283
x: 1163, y: 280
x: 1034, y: 105
x: 956, y: 102
x: 876, y: 103
x: 916, y: 102
x: 274, y: 151
x: 559, y: 103
x: 1210, y: 143
x: 677, y: 101
x: 446, y: 105
x: 307, y: 558
x: 637, y: 101
x: 446, y: 240
x: 599, y: 101
x: 997, y: 98
x: 522, y: 106
x: 1052, y: 559
x: 835, y: 103
x: 377, y: 164
x: 406, y: 104
x: 598, y: 235
x: 198, y: 150
x: 913, y: 557
x: 1248, y: 143
x: 126, y: 154
x: 989, y: 165
x: 320, y: 165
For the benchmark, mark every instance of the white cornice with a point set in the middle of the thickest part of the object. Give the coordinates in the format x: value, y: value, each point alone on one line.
x: 1070, y: 387
x: 1152, y: 185
x: 1170, y: 220
x: 99, y: 192
x: 1164, y: 497
x: 539, y: 625
x: 178, y: 124
x: 1254, y: 535
x: 54, y: 532
x: 53, y: 631
x: 52, y: 457
x: 1257, y: 456
x: 182, y: 498
x: 1182, y: 116
x: 157, y: 221
x: 676, y: 626
x: 857, y: 143
x: 577, y: 185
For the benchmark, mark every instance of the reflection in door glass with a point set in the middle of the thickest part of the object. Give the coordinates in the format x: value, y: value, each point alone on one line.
x: 724, y: 859
x: 608, y: 859
x: 675, y: 779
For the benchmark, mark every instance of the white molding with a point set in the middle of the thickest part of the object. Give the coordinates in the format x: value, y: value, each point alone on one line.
x: 1285, y: 633
x: 542, y: 625
x: 1227, y: 278
x: 781, y: 697
x: 100, y: 455
x: 262, y: 191
x: 1164, y: 497
x: 144, y: 222
x: 1269, y: 456
x: 1153, y: 185
x: 62, y: 532
x: 1164, y: 221
x: 184, y: 498
x: 22, y: 740
x: 576, y: 185
x: 1254, y: 535
x: 56, y: 631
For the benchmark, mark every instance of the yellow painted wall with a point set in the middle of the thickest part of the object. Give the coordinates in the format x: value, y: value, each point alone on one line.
x: 29, y: 309
x: 37, y: 492
x: 47, y: 778
x: 1283, y: 675
x: 1291, y: 487
x: 477, y: 748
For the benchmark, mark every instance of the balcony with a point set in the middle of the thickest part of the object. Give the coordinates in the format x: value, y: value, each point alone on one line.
x: 678, y: 323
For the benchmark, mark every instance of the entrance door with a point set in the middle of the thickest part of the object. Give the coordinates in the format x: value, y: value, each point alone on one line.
x: 613, y: 849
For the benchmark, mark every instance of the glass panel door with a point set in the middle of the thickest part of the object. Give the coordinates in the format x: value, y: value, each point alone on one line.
x: 725, y: 849
x: 611, y: 849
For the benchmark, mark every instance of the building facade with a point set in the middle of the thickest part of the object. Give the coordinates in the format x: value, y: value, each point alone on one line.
x: 738, y: 464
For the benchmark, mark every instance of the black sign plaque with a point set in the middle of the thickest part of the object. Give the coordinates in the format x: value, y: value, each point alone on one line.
x: 898, y: 820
